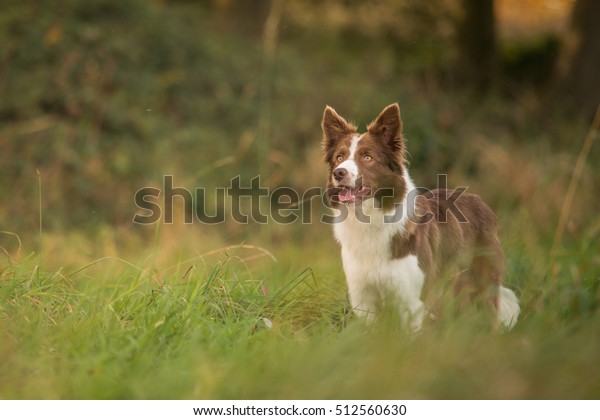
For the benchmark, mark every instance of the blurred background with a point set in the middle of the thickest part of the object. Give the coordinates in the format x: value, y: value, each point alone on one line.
x: 101, y: 98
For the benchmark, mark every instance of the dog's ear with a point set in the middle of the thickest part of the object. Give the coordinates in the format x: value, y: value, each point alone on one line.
x: 334, y: 127
x: 388, y: 127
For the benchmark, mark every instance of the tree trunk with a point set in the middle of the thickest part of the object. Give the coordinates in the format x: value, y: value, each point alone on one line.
x: 579, y: 67
x: 477, y: 43
x: 247, y: 15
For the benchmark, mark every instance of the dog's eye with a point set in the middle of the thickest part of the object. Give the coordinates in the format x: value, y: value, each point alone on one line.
x: 368, y: 158
x: 339, y: 158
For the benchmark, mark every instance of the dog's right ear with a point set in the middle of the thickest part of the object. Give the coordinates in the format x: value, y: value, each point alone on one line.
x: 334, y: 127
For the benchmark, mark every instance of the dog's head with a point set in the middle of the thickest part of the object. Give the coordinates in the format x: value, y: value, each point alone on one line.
x: 368, y: 165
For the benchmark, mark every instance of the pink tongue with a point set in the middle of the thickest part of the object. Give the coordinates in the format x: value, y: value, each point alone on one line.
x: 346, y: 195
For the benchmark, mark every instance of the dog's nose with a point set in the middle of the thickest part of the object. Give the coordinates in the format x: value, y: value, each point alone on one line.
x: 340, y: 173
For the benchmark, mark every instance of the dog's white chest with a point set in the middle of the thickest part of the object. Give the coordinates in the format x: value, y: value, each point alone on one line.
x: 372, y: 274
x: 367, y: 259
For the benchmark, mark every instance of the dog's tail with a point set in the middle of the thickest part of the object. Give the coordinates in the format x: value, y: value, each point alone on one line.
x: 508, y: 307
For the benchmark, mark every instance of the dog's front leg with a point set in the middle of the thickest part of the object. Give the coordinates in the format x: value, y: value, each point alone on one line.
x: 365, y: 301
x: 412, y: 312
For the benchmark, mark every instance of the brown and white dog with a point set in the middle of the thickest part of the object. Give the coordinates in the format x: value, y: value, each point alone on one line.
x: 396, y: 241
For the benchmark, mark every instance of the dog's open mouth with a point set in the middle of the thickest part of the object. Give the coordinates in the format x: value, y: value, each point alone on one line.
x: 352, y: 195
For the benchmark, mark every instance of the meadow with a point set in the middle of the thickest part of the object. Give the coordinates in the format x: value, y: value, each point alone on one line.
x: 233, y: 328
x: 106, y: 101
x: 183, y: 320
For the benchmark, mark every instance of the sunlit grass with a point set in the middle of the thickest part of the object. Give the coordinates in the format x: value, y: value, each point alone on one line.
x: 229, y: 328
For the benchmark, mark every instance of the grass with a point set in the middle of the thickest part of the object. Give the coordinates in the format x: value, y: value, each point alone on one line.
x: 232, y: 328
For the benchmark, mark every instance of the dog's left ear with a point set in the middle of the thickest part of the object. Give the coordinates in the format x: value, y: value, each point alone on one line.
x: 388, y: 127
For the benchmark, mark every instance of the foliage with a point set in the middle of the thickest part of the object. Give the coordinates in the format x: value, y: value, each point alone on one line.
x: 104, y: 98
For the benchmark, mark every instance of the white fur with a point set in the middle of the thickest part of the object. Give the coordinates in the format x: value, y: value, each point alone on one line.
x: 371, y: 272
x: 350, y: 164
x: 508, y: 307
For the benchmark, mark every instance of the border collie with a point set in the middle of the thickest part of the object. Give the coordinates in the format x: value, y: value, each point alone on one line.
x: 396, y: 241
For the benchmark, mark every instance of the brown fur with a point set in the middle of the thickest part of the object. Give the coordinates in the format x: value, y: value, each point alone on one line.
x: 468, y: 253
